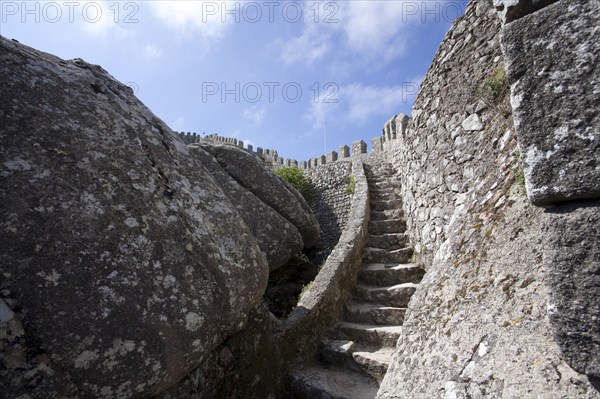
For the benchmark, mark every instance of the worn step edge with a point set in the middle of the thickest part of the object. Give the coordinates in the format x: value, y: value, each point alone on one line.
x: 374, y: 361
x: 327, y: 382
x: 388, y: 274
x: 367, y: 334
x: 374, y: 313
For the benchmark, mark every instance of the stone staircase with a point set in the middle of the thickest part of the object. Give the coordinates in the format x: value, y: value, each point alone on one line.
x: 355, y: 356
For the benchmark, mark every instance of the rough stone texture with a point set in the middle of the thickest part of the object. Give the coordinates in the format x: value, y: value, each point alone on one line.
x: 440, y: 162
x: 330, y: 202
x: 277, y: 237
x: 317, y: 311
x: 246, y: 366
x: 510, y: 10
x: 249, y: 171
x: 573, y: 261
x: 344, y: 151
x: 123, y: 263
x: 478, y: 325
x: 359, y: 147
x: 550, y: 56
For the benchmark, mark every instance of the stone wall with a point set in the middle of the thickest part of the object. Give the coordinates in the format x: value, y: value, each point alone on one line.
x: 322, y: 306
x: 451, y: 143
x: 330, y: 200
x: 508, y: 303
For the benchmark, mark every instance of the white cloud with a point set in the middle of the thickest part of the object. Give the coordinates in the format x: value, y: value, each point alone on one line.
x: 152, y: 51
x: 204, y: 18
x: 307, y: 48
x: 96, y: 18
x: 254, y: 114
x: 378, y: 28
x: 367, y: 101
x: 321, y: 111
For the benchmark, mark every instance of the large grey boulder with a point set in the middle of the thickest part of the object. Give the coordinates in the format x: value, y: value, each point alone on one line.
x: 123, y: 264
x: 573, y: 264
x: 249, y: 171
x: 553, y: 64
x: 277, y: 237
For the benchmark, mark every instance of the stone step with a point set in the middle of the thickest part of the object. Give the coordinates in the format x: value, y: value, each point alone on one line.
x: 370, y: 313
x: 378, y: 227
x: 383, y: 177
x: 384, y: 184
x: 378, y: 255
x: 387, y: 274
x: 337, y: 352
x: 383, y: 196
x: 387, y: 214
x: 374, y: 361
x: 388, y: 241
x: 328, y: 382
x: 367, y: 334
x: 397, y: 296
x: 382, y: 205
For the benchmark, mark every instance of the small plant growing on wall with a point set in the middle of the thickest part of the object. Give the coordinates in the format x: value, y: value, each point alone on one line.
x: 351, y: 186
x: 296, y: 178
x: 495, y: 86
x: 494, y: 91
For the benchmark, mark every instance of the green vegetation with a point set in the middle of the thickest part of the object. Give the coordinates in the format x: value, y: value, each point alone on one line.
x: 296, y: 178
x: 305, y: 289
x: 351, y: 186
x: 495, y: 87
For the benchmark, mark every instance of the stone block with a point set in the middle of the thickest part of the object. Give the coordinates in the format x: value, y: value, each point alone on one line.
x: 510, y: 10
x: 322, y: 160
x: 573, y: 237
x: 553, y: 65
x: 376, y: 144
x: 250, y: 148
x: 344, y: 151
x: 390, y: 128
x: 332, y: 157
x: 240, y: 144
x: 304, y: 165
x: 359, y: 147
x: 259, y: 152
x: 401, y: 124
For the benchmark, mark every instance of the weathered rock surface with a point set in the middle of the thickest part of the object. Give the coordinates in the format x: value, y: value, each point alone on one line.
x: 478, y: 325
x: 249, y: 171
x: 573, y: 264
x: 247, y: 365
x: 277, y: 237
x: 510, y: 10
x: 553, y: 65
x: 123, y: 263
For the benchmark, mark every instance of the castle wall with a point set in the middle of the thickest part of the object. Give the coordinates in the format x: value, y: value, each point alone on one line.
x: 486, y: 319
x: 331, y: 201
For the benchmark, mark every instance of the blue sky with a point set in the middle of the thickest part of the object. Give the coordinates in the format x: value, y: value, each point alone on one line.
x: 274, y: 74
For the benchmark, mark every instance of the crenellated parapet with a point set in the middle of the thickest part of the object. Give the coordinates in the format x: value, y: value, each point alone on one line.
x: 394, y: 128
x: 271, y: 157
